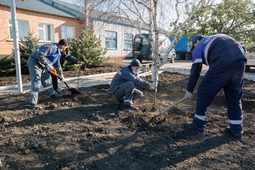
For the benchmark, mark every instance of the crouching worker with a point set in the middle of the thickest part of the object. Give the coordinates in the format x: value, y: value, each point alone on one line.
x: 40, y: 63
x: 58, y: 66
x: 124, y: 82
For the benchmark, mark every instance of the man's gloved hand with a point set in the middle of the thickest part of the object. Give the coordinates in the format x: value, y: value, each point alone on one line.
x: 188, y: 95
x: 52, y: 70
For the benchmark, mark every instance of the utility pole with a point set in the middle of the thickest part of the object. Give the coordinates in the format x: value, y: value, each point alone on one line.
x: 16, y: 46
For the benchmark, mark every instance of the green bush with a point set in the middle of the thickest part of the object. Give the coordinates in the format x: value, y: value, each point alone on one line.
x: 88, y: 49
x: 69, y: 67
x: 7, y: 66
x: 27, y: 45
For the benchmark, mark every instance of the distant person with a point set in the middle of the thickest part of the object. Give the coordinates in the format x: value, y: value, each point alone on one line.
x: 58, y: 66
x: 40, y: 63
x: 124, y: 82
x: 226, y: 60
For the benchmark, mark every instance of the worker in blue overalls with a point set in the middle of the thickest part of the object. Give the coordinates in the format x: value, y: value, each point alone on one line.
x: 226, y: 60
x: 40, y: 65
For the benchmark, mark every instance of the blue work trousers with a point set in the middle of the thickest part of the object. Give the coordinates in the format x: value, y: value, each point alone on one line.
x: 231, y: 81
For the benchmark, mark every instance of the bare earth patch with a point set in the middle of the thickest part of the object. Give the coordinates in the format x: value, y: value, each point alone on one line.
x: 87, y: 131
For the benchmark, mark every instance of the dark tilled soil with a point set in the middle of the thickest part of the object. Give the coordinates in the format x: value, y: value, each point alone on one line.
x: 88, y: 131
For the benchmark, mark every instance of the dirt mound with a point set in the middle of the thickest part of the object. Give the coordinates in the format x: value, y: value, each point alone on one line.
x: 87, y: 131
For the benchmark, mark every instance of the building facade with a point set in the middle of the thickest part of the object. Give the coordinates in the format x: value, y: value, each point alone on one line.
x: 52, y: 20
x: 45, y: 26
x: 116, y: 37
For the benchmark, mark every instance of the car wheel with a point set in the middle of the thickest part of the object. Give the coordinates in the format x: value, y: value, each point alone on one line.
x: 178, y: 57
x: 247, y: 68
x: 188, y: 56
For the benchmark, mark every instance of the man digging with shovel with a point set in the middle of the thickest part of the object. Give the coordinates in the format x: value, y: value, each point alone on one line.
x: 124, y: 82
x: 40, y: 63
x: 226, y: 60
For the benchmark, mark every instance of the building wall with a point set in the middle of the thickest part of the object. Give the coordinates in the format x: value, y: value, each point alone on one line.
x: 6, y: 44
x: 100, y: 27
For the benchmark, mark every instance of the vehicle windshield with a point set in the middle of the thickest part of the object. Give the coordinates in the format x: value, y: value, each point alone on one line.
x: 141, y: 40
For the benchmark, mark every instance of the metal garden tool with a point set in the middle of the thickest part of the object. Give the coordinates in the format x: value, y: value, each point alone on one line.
x: 165, y: 110
x: 175, y: 103
x: 72, y: 90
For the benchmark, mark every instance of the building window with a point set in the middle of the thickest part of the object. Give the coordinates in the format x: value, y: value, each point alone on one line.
x: 68, y: 33
x: 111, y: 40
x: 128, y: 41
x: 23, y: 28
x: 46, y: 32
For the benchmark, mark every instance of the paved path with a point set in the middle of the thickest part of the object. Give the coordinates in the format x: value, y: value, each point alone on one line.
x: 182, y: 67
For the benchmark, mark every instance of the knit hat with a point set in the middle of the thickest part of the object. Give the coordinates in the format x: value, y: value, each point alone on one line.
x: 135, y: 63
x: 62, y: 42
x: 194, y: 39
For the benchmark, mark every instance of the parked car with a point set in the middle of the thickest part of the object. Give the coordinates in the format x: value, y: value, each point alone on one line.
x: 142, y: 49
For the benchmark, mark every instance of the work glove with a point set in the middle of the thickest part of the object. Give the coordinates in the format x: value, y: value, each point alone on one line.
x: 52, y: 70
x: 188, y: 95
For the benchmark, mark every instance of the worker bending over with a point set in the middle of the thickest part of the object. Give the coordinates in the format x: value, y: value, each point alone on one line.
x: 226, y: 60
x: 40, y: 63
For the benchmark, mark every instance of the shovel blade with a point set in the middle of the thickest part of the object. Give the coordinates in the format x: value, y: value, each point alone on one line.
x: 74, y: 91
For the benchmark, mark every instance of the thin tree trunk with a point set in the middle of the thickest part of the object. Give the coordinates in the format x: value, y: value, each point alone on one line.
x: 155, y: 50
x: 86, y: 17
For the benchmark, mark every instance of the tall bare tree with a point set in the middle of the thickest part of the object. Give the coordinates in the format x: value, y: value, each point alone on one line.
x: 86, y: 15
x: 145, y: 12
x: 176, y: 16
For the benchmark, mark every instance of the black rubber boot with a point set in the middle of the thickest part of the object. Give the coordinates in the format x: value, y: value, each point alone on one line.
x: 129, y: 107
x: 34, y: 106
x: 56, y: 96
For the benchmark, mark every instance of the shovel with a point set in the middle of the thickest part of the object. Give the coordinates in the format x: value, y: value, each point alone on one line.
x: 72, y: 90
x: 177, y: 102
x: 165, y: 110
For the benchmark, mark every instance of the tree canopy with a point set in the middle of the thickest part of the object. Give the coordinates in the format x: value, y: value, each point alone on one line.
x: 231, y: 17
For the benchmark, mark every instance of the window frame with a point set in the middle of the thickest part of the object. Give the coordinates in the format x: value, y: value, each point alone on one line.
x: 111, y: 40
x: 64, y: 31
x: 18, y: 22
x: 52, y: 29
x: 127, y: 43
